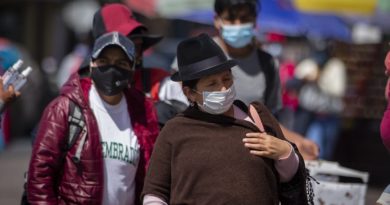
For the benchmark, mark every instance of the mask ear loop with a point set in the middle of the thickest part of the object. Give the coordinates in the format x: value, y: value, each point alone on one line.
x: 222, y: 24
x: 194, y: 103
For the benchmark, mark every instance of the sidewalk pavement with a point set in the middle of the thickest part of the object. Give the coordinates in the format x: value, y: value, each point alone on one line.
x: 14, y: 162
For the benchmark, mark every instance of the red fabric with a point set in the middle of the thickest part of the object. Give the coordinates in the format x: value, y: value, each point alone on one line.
x: 289, y: 98
x: 82, y: 183
x: 385, y: 127
x: 117, y: 17
x: 385, y: 124
x: 148, y: 8
x: 156, y: 76
x: 275, y: 38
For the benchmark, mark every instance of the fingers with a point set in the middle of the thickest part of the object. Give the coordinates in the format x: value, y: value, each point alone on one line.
x: 9, y: 95
x: 255, y: 134
x: 261, y: 144
x: 253, y: 140
x: 260, y: 153
x: 11, y: 89
x: 12, y: 93
x: 255, y: 146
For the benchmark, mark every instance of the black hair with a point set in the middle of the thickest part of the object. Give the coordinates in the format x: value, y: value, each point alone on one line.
x: 137, y: 31
x: 190, y: 83
x: 230, y: 5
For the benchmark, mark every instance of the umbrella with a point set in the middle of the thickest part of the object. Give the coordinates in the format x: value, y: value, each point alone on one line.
x: 278, y: 16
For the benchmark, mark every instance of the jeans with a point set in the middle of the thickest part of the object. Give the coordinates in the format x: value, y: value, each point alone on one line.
x: 324, y: 131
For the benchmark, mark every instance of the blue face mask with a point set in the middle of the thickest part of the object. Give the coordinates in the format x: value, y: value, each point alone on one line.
x: 237, y: 36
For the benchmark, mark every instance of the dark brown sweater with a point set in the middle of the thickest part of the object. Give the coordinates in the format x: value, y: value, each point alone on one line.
x: 200, y: 158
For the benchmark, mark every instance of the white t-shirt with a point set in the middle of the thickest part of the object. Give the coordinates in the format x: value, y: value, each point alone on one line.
x: 120, y: 149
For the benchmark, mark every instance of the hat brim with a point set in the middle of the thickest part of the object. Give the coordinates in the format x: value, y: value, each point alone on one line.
x: 148, y: 40
x: 102, y: 47
x: 206, y: 72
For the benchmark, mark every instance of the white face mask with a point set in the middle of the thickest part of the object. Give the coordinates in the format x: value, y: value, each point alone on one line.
x: 218, y: 102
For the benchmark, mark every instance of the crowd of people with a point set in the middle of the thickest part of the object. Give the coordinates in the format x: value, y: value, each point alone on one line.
x: 216, y: 130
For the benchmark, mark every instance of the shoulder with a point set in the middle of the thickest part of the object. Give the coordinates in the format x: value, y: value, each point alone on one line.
x: 263, y: 54
x: 60, y: 103
x: 265, y: 113
x: 177, y: 124
x: 260, y: 107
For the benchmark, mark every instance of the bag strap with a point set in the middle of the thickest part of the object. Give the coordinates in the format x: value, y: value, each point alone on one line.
x: 256, y: 117
x: 76, y: 128
x: 76, y: 122
x: 268, y: 67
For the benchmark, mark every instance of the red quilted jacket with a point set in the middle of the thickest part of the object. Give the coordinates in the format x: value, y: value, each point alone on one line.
x: 53, y: 177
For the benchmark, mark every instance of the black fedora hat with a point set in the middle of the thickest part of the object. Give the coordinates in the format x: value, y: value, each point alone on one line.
x: 198, y: 57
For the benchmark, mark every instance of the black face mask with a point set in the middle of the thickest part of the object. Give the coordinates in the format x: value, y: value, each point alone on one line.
x: 110, y: 79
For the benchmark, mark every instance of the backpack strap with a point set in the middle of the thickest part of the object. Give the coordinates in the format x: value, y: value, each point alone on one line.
x: 268, y: 66
x: 76, y: 122
x: 256, y: 117
x: 76, y: 128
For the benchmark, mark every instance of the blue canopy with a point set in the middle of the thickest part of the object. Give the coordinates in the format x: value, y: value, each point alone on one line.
x: 281, y: 17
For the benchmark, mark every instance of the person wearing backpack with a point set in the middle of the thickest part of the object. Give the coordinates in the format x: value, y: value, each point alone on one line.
x: 107, y: 161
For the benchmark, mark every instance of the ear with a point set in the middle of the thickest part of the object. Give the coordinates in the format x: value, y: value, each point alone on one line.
x: 217, y: 22
x: 189, y: 94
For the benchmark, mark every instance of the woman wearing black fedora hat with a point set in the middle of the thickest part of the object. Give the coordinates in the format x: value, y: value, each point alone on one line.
x: 219, y: 151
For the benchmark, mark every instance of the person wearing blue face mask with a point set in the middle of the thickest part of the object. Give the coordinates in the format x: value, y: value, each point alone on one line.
x: 237, y: 36
x: 219, y: 150
x: 257, y: 78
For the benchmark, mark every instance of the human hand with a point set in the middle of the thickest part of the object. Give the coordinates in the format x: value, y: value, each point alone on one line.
x: 8, y: 95
x: 308, y: 149
x: 264, y: 145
